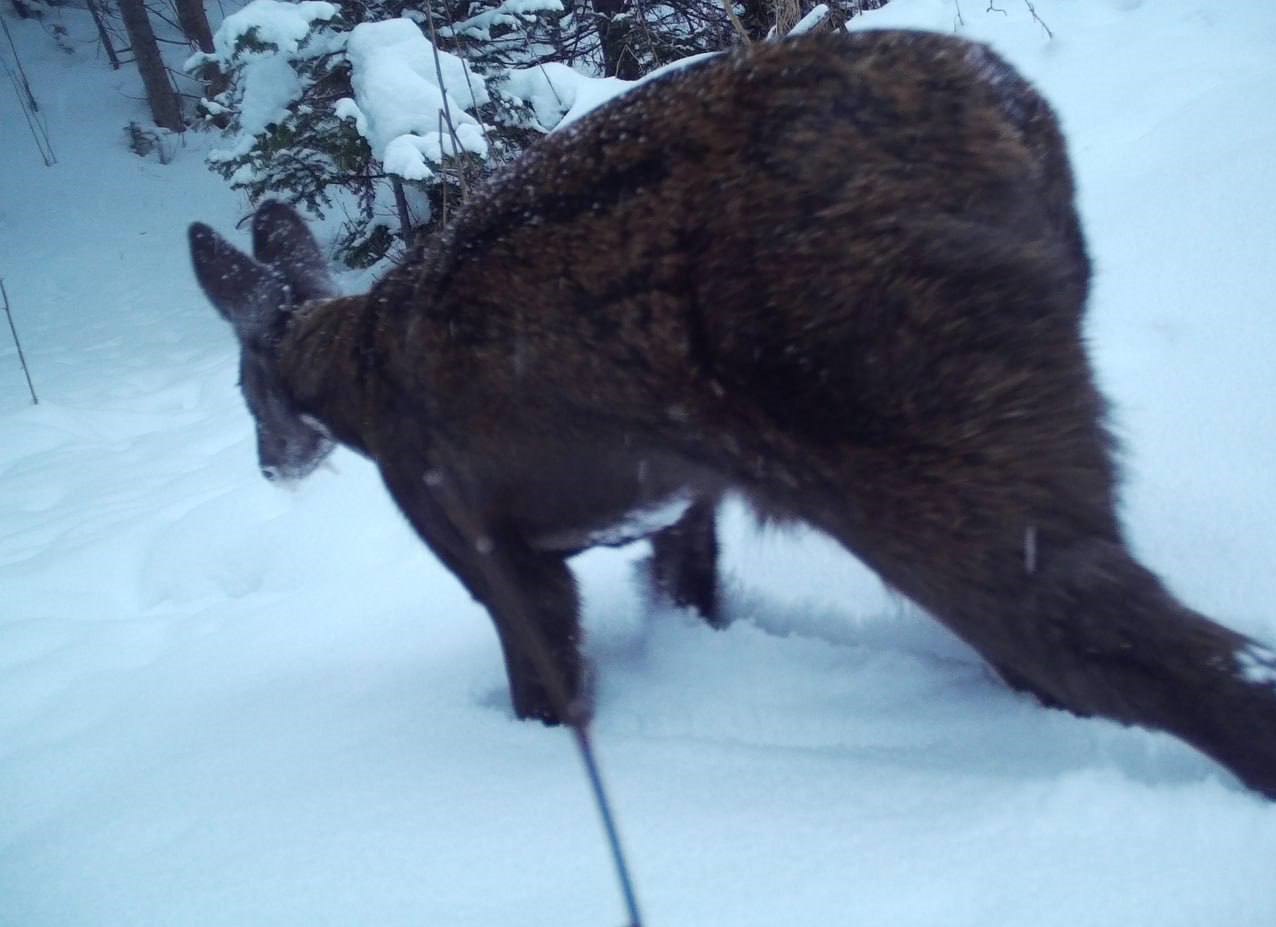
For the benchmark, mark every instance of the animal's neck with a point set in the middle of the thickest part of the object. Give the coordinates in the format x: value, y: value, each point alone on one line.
x: 327, y: 358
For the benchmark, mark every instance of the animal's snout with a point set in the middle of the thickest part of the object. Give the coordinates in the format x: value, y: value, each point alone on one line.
x: 270, y: 473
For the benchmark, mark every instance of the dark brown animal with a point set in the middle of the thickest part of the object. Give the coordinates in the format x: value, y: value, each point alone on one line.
x: 842, y: 275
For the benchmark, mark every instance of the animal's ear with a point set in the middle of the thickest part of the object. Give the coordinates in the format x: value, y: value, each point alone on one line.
x: 282, y: 241
x: 247, y: 293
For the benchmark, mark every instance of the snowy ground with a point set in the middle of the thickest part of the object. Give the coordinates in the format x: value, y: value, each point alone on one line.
x: 221, y: 704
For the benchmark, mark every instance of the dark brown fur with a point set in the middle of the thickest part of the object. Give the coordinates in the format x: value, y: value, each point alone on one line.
x: 841, y: 274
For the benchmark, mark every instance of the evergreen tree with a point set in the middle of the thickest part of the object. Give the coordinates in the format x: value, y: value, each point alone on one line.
x: 308, y: 150
x: 297, y: 133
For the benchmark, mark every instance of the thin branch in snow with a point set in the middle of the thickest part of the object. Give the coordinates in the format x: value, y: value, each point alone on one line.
x: 447, y: 107
x: 509, y: 599
x: 1033, y: 10
x: 16, y: 343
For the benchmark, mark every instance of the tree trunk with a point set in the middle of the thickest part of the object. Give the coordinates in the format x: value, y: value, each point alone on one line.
x: 159, y: 91
x: 103, y: 35
x: 194, y: 22
x: 758, y: 17
x: 618, y: 59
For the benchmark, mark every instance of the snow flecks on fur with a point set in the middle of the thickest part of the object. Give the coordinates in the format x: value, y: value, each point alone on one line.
x: 1257, y: 665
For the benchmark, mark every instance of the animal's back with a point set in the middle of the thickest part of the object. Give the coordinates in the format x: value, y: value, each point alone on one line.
x: 854, y: 233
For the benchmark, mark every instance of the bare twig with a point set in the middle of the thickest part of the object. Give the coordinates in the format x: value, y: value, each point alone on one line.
x: 552, y: 89
x: 27, y: 102
x: 491, y: 149
x: 103, y: 34
x: 740, y: 31
x: 443, y: 178
x: 787, y: 14
x: 1033, y: 10
x: 447, y: 109
x: 159, y: 14
x: 405, y: 217
x: 16, y: 343
x: 506, y: 599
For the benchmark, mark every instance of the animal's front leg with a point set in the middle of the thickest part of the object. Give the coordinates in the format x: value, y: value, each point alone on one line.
x: 535, y: 605
x: 530, y: 594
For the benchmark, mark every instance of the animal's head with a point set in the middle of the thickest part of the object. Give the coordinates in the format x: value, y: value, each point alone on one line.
x: 256, y: 294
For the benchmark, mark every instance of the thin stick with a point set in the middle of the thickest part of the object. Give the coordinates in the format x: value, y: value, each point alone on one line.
x: 26, y: 84
x: 46, y: 154
x: 443, y: 181
x: 586, y: 749
x: 552, y: 89
x: 741, y: 33
x: 509, y: 601
x: 27, y: 100
x: 405, y: 217
x: 1041, y: 22
x: 465, y: 69
x: 103, y: 34
x: 16, y: 343
x: 447, y: 109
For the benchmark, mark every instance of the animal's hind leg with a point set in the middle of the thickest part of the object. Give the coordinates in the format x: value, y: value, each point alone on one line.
x: 1085, y: 627
x: 684, y: 561
x: 1017, y: 681
x: 1113, y: 641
